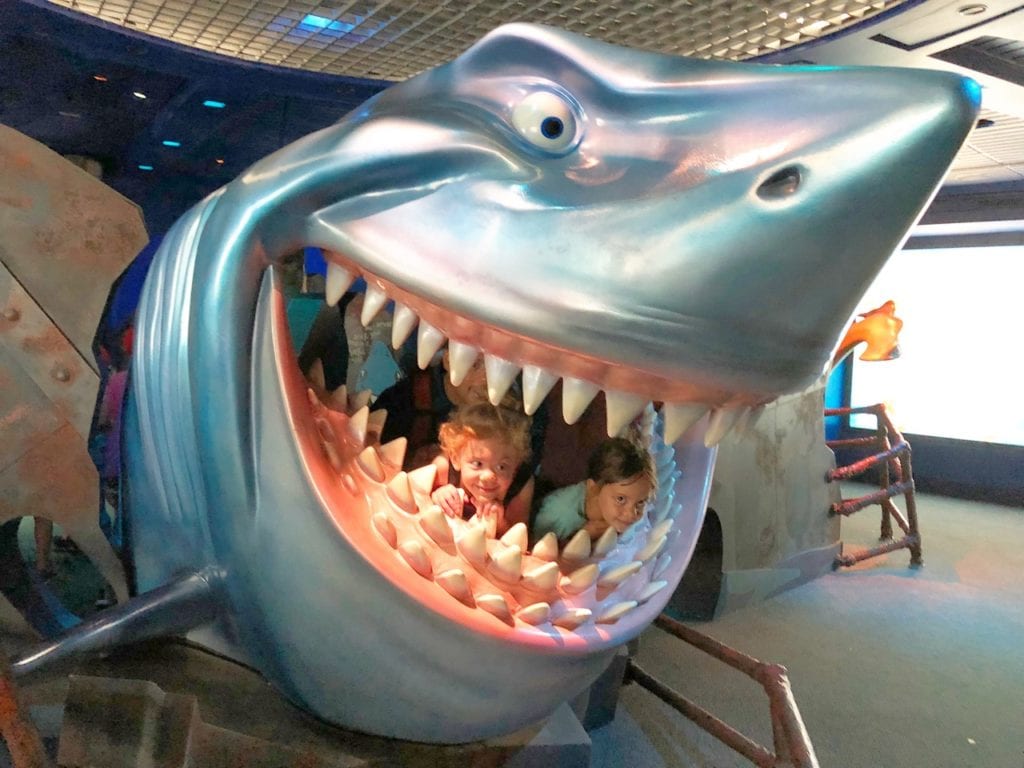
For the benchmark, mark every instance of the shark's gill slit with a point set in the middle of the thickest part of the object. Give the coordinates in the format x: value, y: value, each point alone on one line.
x: 781, y: 184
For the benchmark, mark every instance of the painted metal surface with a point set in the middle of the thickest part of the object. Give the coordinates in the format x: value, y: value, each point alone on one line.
x: 659, y: 229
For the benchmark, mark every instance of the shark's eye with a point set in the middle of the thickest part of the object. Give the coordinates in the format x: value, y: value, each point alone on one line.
x: 546, y: 120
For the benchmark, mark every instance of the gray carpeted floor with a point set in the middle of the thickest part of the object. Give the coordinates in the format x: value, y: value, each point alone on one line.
x: 891, y: 667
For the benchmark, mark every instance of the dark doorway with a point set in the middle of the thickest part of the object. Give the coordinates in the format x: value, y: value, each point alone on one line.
x: 696, y: 597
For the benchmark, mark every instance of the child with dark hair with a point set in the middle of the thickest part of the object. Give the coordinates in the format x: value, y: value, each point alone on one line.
x: 483, y: 448
x: 620, y: 480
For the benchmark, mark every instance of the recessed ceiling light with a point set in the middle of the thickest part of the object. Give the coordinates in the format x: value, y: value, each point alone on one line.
x: 972, y: 10
x: 984, y: 122
x: 219, y: 161
x: 145, y: 167
x: 214, y: 104
x: 68, y: 114
x: 169, y: 143
x: 138, y: 94
x: 100, y: 78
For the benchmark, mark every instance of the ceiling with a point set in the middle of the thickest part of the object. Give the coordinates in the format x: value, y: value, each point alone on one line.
x: 114, y: 80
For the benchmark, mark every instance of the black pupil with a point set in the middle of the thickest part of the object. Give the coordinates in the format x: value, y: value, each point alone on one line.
x: 552, y: 127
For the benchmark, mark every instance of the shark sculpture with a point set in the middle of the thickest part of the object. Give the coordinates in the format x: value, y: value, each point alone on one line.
x: 688, y: 233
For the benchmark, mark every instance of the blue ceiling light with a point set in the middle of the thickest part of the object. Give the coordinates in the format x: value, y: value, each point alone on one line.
x: 169, y: 143
x: 145, y: 167
x: 214, y: 104
x: 321, y: 22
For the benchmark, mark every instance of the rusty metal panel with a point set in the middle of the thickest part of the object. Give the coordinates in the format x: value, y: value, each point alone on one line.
x: 64, y: 234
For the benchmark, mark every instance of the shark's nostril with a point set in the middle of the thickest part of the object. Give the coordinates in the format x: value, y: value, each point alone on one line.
x: 781, y: 184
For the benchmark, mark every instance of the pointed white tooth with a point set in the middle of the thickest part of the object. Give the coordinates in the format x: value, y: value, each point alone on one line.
x: 422, y: 479
x: 400, y: 492
x: 580, y: 579
x: 543, y: 578
x: 357, y: 424
x: 333, y: 457
x: 314, y: 400
x: 679, y: 417
x: 500, y: 375
x: 534, y: 614
x: 721, y: 421
x: 606, y: 543
x: 622, y: 408
x: 339, y: 399
x: 316, y: 374
x: 350, y: 484
x: 369, y: 463
x: 616, y: 576
x: 473, y: 545
x: 428, y: 341
x: 650, y: 591
x: 393, y: 453
x: 659, y: 567
x: 517, y: 536
x: 616, y: 612
x: 496, y: 606
x: 578, y: 547
x: 338, y: 281
x: 654, y: 546
x: 547, y: 547
x: 576, y: 396
x: 359, y: 399
x: 455, y: 584
x: 507, y: 564
x: 324, y: 428
x: 402, y: 324
x: 661, y: 529
x: 536, y: 384
x: 460, y: 359
x: 572, y: 618
x: 435, y: 524
x: 385, y: 528
x: 416, y: 556
x: 373, y: 302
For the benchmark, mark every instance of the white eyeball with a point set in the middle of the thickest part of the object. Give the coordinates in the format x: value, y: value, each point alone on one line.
x: 546, y: 120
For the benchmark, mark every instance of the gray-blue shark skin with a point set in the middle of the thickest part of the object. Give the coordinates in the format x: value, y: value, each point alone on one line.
x: 688, y: 232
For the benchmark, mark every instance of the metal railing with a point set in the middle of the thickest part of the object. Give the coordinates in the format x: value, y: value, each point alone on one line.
x: 792, y: 745
x: 893, y: 462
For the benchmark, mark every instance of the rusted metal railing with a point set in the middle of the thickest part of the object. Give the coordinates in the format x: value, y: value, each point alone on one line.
x: 792, y: 745
x: 23, y: 742
x: 895, y: 477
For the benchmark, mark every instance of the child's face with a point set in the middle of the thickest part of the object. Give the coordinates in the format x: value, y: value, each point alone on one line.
x: 486, y: 468
x: 621, y: 504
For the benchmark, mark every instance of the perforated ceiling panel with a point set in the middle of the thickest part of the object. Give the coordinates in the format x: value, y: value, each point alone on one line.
x: 394, y: 40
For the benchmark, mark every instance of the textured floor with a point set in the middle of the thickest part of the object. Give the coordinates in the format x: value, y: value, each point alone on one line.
x: 890, y: 666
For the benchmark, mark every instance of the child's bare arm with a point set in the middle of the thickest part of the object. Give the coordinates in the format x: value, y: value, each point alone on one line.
x: 449, y: 499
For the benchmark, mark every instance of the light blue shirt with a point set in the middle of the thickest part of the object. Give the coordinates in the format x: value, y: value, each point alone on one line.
x: 562, y: 512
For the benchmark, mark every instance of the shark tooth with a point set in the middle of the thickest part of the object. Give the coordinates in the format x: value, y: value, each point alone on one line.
x: 357, y: 424
x: 653, y: 547
x: 722, y: 420
x: 369, y: 463
x: 333, y: 458
x: 316, y: 374
x: 416, y: 556
x: 621, y: 408
x: 507, y: 564
x: 500, y: 375
x: 422, y: 479
x: 606, y: 543
x: 542, y: 578
x: 338, y: 281
x: 454, y: 582
x: 537, y: 383
x: 679, y: 417
x: 460, y: 359
x: 496, y: 606
x: 650, y: 591
x: 517, y: 536
x: 576, y: 396
x: 400, y: 492
x: 393, y: 453
x: 350, y: 484
x: 386, y: 528
x: 428, y: 341
x: 578, y: 547
x: 402, y: 323
x: 616, y: 576
x: 435, y: 524
x: 616, y: 612
x: 537, y: 613
x: 359, y: 399
x: 547, y: 547
x: 314, y: 400
x: 373, y: 303
x: 580, y: 579
x: 659, y: 567
x: 473, y: 545
x: 572, y: 618
x: 323, y: 426
x: 661, y: 529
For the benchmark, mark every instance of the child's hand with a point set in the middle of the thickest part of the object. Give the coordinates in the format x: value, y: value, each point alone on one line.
x: 493, y: 514
x: 448, y: 498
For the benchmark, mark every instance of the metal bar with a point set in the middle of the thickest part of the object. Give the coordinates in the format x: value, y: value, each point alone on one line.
x: 748, y: 665
x: 859, y: 467
x: 851, y: 442
x: 850, y: 506
x: 19, y: 734
x: 907, y: 542
x: 893, y: 511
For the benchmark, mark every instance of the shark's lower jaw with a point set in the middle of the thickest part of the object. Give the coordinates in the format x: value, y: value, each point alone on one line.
x: 462, y: 635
